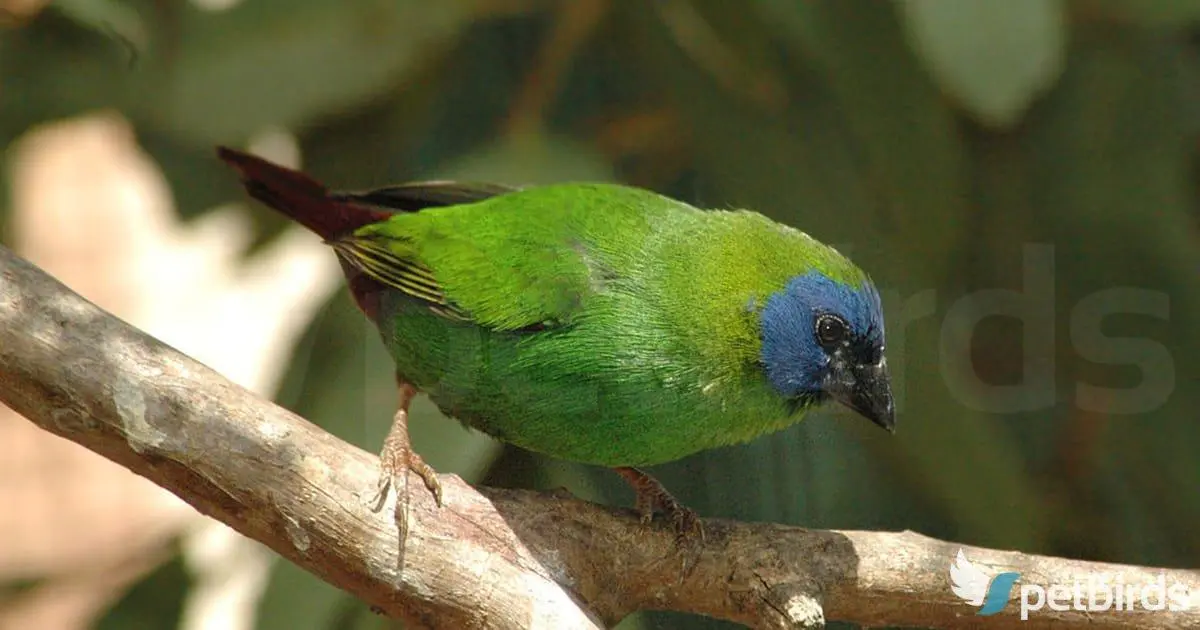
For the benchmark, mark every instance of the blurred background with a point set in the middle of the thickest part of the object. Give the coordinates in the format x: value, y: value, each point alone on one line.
x: 1019, y: 177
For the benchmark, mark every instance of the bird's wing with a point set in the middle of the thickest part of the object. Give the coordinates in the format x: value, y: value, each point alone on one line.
x: 488, y: 264
x: 967, y: 580
x: 406, y: 274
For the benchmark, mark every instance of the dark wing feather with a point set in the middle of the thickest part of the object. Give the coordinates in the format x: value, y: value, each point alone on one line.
x: 417, y: 196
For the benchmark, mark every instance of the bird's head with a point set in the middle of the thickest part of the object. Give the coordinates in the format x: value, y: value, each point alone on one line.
x: 822, y: 339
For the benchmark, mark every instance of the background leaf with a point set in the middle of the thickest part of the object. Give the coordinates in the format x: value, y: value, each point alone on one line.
x: 994, y: 58
x: 230, y: 73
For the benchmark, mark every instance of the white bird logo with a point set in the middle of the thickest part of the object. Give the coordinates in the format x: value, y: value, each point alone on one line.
x: 967, y: 580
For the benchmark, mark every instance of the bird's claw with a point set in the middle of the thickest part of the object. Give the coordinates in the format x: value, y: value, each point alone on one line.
x: 396, y: 461
x: 684, y: 520
x: 427, y: 474
x: 689, y: 532
x: 688, y: 526
x: 652, y: 497
x: 394, y: 466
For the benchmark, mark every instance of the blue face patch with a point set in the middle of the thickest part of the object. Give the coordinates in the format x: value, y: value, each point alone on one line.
x: 795, y: 363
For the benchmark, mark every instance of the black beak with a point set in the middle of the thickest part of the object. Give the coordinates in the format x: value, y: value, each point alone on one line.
x: 866, y: 389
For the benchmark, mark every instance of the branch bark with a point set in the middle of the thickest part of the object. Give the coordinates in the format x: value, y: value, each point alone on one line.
x: 490, y: 558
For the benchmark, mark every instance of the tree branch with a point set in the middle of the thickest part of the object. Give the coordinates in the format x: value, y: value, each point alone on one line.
x: 490, y: 558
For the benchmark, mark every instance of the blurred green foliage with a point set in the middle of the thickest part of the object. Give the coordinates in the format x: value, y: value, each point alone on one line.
x: 154, y: 603
x: 934, y: 141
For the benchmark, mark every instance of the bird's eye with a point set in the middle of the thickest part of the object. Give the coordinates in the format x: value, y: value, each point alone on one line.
x: 831, y: 330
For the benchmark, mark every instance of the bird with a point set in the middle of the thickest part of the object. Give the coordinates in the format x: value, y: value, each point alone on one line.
x: 593, y: 322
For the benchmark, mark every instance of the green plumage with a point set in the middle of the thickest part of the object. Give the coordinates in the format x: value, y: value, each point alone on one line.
x: 590, y: 322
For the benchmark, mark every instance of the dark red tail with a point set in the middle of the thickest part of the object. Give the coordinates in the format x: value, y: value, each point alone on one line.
x: 300, y: 197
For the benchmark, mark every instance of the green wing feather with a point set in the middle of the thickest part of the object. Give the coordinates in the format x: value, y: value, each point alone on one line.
x: 529, y: 259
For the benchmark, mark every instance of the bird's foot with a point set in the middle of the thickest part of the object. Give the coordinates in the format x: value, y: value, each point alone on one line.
x: 653, y: 497
x: 396, y: 460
